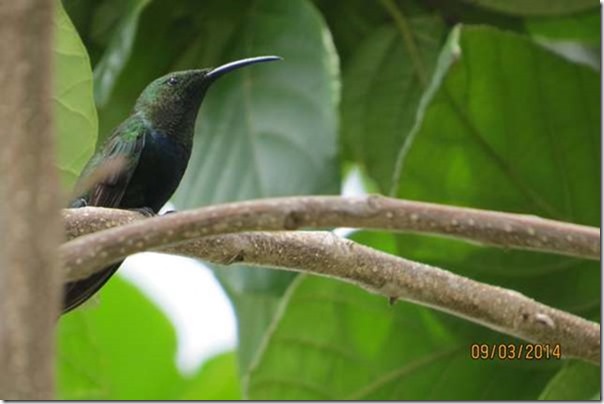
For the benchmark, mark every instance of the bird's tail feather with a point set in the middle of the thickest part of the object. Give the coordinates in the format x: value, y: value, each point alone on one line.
x: 77, y: 292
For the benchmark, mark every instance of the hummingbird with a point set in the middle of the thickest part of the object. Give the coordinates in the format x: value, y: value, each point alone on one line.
x: 151, y: 150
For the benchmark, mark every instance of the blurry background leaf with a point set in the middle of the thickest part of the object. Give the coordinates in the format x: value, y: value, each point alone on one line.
x: 335, y: 341
x: 382, y: 86
x: 99, y: 22
x: 582, y: 27
x: 466, y: 12
x: 123, y: 348
x: 82, y: 14
x: 76, y: 119
x: 111, y: 63
x: 349, y: 22
x: 575, y: 381
x: 218, y: 379
x: 509, y: 126
x: 536, y: 7
x: 575, y: 36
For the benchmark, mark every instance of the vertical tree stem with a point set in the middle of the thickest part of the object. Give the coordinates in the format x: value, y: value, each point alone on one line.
x: 29, y: 204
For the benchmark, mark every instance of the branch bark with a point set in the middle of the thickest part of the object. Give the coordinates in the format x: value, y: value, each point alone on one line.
x: 325, y: 254
x: 29, y: 206
x: 94, y: 251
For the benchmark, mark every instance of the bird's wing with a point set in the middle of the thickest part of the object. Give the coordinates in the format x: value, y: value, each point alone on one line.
x: 107, y: 175
x: 104, y: 181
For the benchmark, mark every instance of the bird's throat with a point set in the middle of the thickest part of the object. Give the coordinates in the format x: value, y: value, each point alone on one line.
x: 176, y: 123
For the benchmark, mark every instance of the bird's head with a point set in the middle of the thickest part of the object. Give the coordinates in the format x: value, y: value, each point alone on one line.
x: 170, y: 103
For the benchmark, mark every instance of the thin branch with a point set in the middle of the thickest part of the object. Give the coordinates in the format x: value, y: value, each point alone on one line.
x: 93, y: 251
x: 325, y: 254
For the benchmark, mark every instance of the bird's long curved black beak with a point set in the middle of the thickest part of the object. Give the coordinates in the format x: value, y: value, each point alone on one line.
x: 229, y: 67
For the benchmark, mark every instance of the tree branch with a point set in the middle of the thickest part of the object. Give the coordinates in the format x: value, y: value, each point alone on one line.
x: 327, y: 255
x: 375, y: 212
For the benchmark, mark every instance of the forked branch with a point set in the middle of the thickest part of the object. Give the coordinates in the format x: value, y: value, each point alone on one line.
x: 327, y: 255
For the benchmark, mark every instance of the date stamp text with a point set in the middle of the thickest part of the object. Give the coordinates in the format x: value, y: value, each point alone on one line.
x: 527, y: 351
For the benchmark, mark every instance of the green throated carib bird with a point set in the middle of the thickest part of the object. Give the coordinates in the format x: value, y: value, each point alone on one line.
x: 152, y: 148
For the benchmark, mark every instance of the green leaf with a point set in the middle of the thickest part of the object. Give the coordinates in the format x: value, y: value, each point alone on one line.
x: 76, y: 119
x: 536, y: 7
x: 217, y: 379
x: 381, y: 91
x: 335, y: 341
x: 575, y: 381
x: 124, y: 348
x: 350, y: 22
x: 82, y: 14
x: 466, y: 13
x: 118, y: 51
x: 515, y: 136
x: 583, y: 27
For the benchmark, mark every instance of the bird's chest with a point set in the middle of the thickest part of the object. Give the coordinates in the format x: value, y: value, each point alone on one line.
x: 162, y: 164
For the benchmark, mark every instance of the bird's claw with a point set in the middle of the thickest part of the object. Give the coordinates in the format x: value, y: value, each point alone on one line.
x: 145, y: 211
x: 79, y: 203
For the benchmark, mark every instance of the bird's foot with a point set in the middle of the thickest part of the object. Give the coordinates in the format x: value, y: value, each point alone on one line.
x: 79, y: 203
x: 169, y: 212
x: 145, y: 211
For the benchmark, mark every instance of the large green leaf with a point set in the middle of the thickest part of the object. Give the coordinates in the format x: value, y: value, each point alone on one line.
x: 382, y: 86
x: 76, y: 119
x: 582, y: 27
x: 509, y: 126
x: 575, y: 381
x: 337, y: 342
x: 536, y: 7
x: 119, y: 349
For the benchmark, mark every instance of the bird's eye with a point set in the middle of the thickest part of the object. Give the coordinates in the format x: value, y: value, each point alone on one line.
x: 172, y: 81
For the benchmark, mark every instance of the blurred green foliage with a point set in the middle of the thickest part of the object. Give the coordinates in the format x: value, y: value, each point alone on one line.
x: 478, y: 103
x: 76, y: 116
